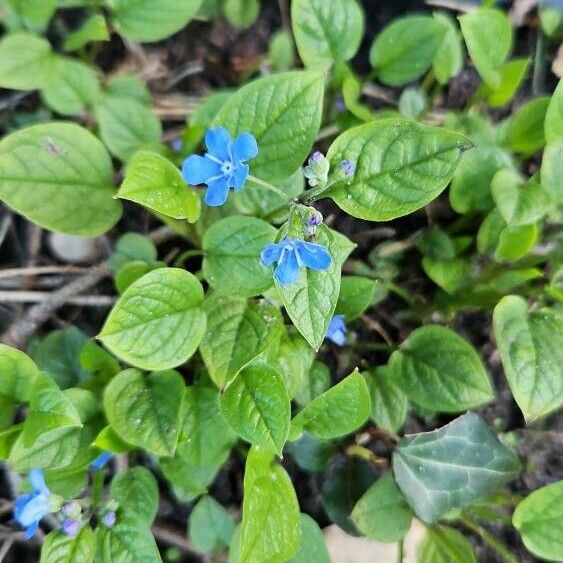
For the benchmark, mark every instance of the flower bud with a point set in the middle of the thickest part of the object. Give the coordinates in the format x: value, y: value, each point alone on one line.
x: 70, y: 527
x: 109, y: 519
x: 317, y: 169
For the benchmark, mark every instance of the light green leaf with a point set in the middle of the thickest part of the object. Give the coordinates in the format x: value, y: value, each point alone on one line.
x: 530, y: 347
x: 439, y: 370
x: 404, y: 50
x: 388, y: 403
x: 145, y: 21
x: 210, y: 525
x: 108, y: 440
x: 241, y: 13
x: 445, y: 545
x: 75, y: 87
x: 132, y: 247
x: 515, y: 242
x: 448, y: 59
x: 488, y: 35
x: 144, y: 410
x: 412, y: 103
x: 94, y: 28
x: 18, y: 374
x: 129, y: 86
x: 136, y: 491
x: 60, y: 548
x: 326, y: 32
x: 356, y: 295
x: 232, y: 249
x: 156, y: 183
x: 283, y: 112
x: 26, y: 62
x: 382, y: 513
x: 237, y: 332
x: 34, y: 13
x: 126, y: 125
x: 316, y: 382
x: 552, y: 171
x: 452, y: 466
x: 554, y: 116
x: 313, y: 547
x: 539, y: 519
x: 271, y: 528
x: 338, y: 411
x: 59, y: 176
x: 512, y: 74
x: 525, y: 132
x: 281, y: 51
x: 257, y: 407
x: 158, y: 322
x: 451, y: 275
x: 311, y: 300
x: 400, y: 167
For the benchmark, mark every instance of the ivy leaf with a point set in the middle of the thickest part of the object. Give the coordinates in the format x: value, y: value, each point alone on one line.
x: 143, y: 20
x: 439, y: 370
x: 554, y: 116
x: 232, y: 249
x: 210, y: 525
x: 237, y: 332
x: 283, y: 112
x: 530, y: 347
x: 153, y: 181
x: 18, y: 374
x: 452, y: 466
x: 60, y: 548
x: 144, y: 410
x: 442, y: 544
x: 326, y: 33
x: 313, y: 547
x: 382, y: 513
x: 488, y: 35
x: 158, y: 322
x: 539, y: 519
x: 311, y: 300
x: 338, y: 411
x: 136, y: 491
x: 389, y: 404
x: 257, y: 407
x: 59, y: 176
x: 400, y: 166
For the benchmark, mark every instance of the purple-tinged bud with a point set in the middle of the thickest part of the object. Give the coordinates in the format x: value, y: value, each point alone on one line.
x: 339, y: 104
x: 317, y: 169
x: 348, y: 167
x: 317, y: 156
x: 109, y: 519
x: 315, y: 220
x: 70, y: 527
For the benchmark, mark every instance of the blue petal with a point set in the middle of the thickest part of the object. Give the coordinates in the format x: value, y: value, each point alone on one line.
x: 240, y: 176
x: 218, y: 143
x: 288, y: 267
x: 244, y: 147
x: 336, y: 331
x: 271, y: 253
x: 34, y: 510
x: 101, y: 460
x: 199, y: 169
x: 20, y: 504
x: 37, y: 481
x: 217, y: 192
x: 313, y: 255
x: 31, y: 530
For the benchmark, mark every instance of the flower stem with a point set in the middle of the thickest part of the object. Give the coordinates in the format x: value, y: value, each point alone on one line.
x: 98, y: 486
x: 268, y: 186
x: 489, y: 539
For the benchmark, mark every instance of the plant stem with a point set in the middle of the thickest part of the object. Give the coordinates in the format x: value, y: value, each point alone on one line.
x: 98, y: 486
x: 268, y: 186
x: 400, y: 551
x: 538, y: 78
x: 489, y: 539
x: 364, y: 453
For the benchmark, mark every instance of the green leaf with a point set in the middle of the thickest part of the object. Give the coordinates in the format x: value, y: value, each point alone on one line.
x: 515, y: 242
x: 136, y: 491
x: 241, y: 13
x: 439, y: 370
x: 26, y: 62
x: 551, y: 171
x: 75, y: 87
x: 18, y: 374
x: 539, y: 519
x: 311, y: 300
x: 512, y: 75
x: 356, y: 295
x: 388, y: 403
x: 311, y: 454
x: 519, y: 203
x: 316, y: 382
x: 554, y: 116
x: 145, y: 21
x: 283, y: 112
x: 326, y: 33
x: 158, y: 322
x: 144, y: 410
x: 400, y: 167
x: 237, y: 332
x: 412, y: 103
x: 448, y: 59
x: 232, y: 249
x: 281, y: 51
x: 526, y: 129
x: 156, y: 183
x: 94, y: 28
x: 126, y: 125
x: 313, y: 547
x: 205, y: 442
x: 131, y: 87
x: 108, y: 440
x: 131, y: 272
x: 132, y: 247
x: 488, y: 35
x: 59, y: 176
x: 60, y: 548
x: 404, y: 50
x: 270, y: 514
x: 452, y: 466
x: 529, y: 345
x: 451, y: 275
x: 34, y: 13
x: 382, y: 513
x: 445, y: 545
x: 338, y: 411
x: 210, y: 526
x: 257, y: 407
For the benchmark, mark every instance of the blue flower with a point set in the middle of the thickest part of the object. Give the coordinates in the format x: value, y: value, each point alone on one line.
x: 291, y: 255
x: 223, y: 166
x: 70, y: 527
x: 30, y: 508
x: 101, y: 460
x: 109, y: 519
x: 336, y: 331
x: 348, y: 168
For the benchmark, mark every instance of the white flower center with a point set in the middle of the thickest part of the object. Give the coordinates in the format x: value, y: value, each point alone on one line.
x: 227, y: 168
